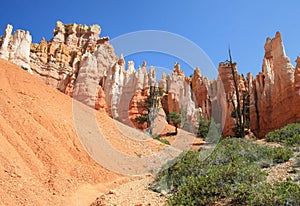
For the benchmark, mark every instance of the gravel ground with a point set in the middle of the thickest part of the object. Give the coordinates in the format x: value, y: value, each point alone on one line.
x: 134, y: 193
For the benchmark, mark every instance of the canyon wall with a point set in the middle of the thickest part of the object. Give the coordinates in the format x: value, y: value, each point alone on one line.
x: 80, y: 63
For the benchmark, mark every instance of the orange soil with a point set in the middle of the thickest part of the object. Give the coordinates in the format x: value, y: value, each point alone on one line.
x: 41, y: 159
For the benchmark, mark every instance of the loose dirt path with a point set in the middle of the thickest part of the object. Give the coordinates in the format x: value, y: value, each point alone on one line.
x: 135, y: 193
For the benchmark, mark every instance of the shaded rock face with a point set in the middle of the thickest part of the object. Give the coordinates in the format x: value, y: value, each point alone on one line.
x: 201, y: 89
x: 297, y: 78
x: 100, y: 103
x: 16, y: 48
x: 135, y: 108
x: 275, y: 91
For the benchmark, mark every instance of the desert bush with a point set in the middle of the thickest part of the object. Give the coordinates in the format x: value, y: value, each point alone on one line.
x: 219, y: 182
x: 281, y: 193
x: 230, y: 174
x: 288, y: 135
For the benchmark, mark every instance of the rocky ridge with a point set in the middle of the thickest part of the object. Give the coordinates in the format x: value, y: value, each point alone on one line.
x: 83, y: 65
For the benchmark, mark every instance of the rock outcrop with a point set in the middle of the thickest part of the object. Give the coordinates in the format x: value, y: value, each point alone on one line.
x: 16, y: 48
x: 4, y: 53
x: 80, y: 63
x: 56, y: 62
x: 297, y: 77
x: 228, y: 97
x: 180, y: 96
x: 275, y: 91
x: 202, y: 92
x: 86, y: 86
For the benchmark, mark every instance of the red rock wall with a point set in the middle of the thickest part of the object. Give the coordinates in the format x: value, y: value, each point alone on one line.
x: 274, y: 96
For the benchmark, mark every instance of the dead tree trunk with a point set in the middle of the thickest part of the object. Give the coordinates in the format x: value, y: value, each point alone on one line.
x: 239, y: 113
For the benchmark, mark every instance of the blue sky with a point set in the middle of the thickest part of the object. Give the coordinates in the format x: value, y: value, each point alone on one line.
x: 212, y: 25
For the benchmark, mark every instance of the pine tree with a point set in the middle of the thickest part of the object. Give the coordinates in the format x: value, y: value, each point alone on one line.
x: 202, y: 127
x: 175, y: 119
x: 151, y: 105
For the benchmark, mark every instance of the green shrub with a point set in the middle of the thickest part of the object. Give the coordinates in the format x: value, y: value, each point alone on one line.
x: 288, y: 135
x: 279, y: 154
x: 219, y: 182
x: 231, y: 174
x: 203, y: 127
x: 281, y: 193
x: 157, y: 137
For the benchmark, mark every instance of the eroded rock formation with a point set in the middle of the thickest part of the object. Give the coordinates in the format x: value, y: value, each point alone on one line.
x: 86, y: 86
x: 57, y: 61
x: 81, y: 64
x: 275, y: 91
x: 4, y: 53
x: 16, y: 48
x: 202, y: 92
x: 228, y: 97
x: 180, y: 96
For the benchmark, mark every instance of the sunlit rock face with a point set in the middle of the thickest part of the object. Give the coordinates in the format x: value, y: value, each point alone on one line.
x: 275, y: 90
x: 16, y: 47
x: 83, y: 65
x: 58, y: 61
x: 226, y: 95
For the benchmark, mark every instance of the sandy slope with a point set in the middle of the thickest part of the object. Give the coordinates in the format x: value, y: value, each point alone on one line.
x: 41, y: 159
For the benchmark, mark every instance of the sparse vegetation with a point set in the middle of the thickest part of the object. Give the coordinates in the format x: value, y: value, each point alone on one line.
x: 214, y: 132
x: 157, y: 137
x: 231, y: 175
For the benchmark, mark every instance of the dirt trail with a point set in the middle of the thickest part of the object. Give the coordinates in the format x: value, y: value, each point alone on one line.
x: 133, y: 193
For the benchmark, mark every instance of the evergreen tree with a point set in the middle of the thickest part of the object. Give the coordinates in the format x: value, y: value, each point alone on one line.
x: 202, y: 127
x: 151, y: 106
x: 175, y: 119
